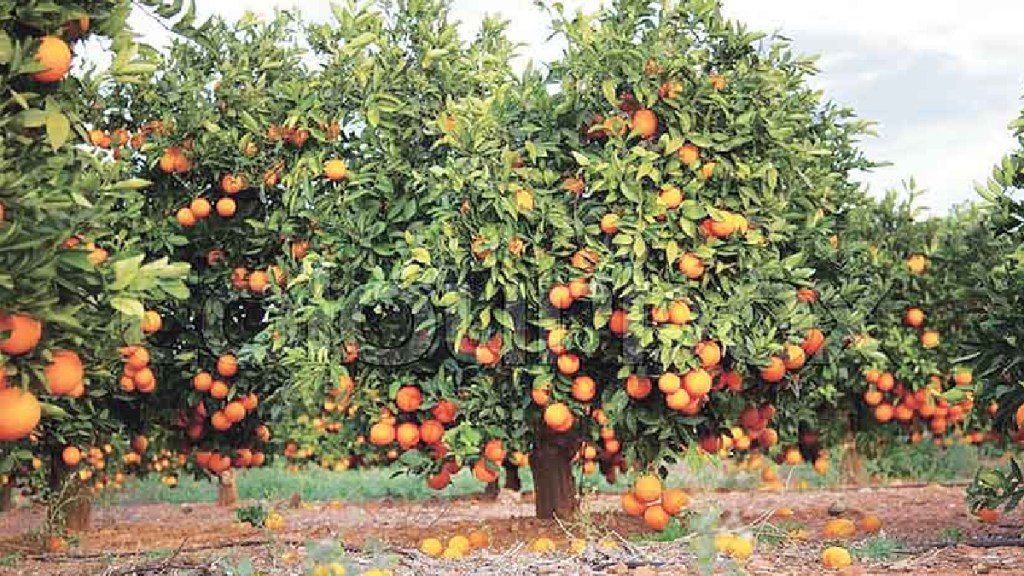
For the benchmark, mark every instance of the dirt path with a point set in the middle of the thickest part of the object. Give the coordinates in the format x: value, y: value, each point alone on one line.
x: 929, y: 525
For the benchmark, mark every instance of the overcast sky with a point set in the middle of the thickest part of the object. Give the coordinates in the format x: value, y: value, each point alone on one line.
x: 941, y: 77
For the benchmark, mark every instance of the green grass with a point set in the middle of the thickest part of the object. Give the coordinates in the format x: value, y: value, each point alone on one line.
x: 878, y: 548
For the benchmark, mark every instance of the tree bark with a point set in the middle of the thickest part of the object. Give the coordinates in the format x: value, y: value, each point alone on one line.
x: 491, y: 490
x: 7, y: 496
x: 78, y: 512
x: 227, y: 489
x: 512, y: 480
x: 551, y: 466
x: 851, y: 466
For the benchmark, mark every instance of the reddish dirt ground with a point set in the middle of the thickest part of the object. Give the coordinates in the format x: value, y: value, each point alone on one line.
x: 931, y: 523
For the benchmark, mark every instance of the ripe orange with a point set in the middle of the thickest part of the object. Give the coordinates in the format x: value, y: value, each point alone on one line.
x: 656, y: 518
x: 227, y: 365
x: 669, y: 382
x: 65, y: 373
x: 670, y: 196
x: 717, y: 82
x: 678, y: 400
x: 558, y: 417
x: 659, y: 315
x: 484, y: 472
x: 775, y: 371
x: 445, y: 411
x: 335, y: 170
x: 24, y: 334
x: 731, y: 380
x: 408, y: 398
x: 814, y: 339
x: 688, y: 154
x: 560, y: 296
x: 55, y: 55
x: 494, y: 450
x: 584, y: 388
x: 987, y: 515
x: 647, y: 488
x: 185, y: 218
x: 631, y: 505
x: 644, y: 124
x: 679, y: 313
x: 232, y: 184
x: 697, y: 383
x: 226, y: 207
x: 382, y: 434
x: 794, y: 357
x: 709, y: 353
x: 839, y: 528
x: 872, y: 397
x: 439, y: 481
x: 691, y: 265
x: 408, y: 435
x: 638, y: 387
x: 962, y: 377
x: 884, y: 412
x: 478, y: 539
x: 836, y: 558
x: 707, y: 170
x: 618, y: 323
x: 674, y: 500
x: 885, y: 381
x: 568, y: 364
x: 914, y: 317
x: 579, y: 288
x: 917, y: 263
x: 234, y: 411
x: 524, y: 200
x: 431, y: 432
x: 929, y: 339
x: 870, y: 523
x: 151, y: 322
x: 200, y: 208
x: 610, y: 224
x: 71, y: 456
x: 1019, y: 416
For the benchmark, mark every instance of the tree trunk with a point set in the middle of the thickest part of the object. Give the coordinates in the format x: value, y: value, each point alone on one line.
x: 491, y: 490
x: 78, y: 512
x: 512, y: 481
x: 851, y: 466
x: 227, y: 489
x: 551, y: 466
x: 7, y: 496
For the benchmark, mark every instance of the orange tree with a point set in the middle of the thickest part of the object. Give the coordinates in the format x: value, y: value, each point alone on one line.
x: 234, y: 131
x: 74, y: 274
x: 607, y: 273
x: 992, y: 269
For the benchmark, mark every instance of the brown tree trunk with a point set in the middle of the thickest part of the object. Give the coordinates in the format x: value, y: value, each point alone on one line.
x: 491, y: 490
x: 553, y: 483
x: 227, y: 489
x: 851, y: 466
x: 512, y: 481
x: 78, y: 512
x: 7, y: 496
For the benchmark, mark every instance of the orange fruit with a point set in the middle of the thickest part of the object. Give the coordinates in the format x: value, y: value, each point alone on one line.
x: 431, y: 432
x: 929, y: 339
x: 250, y: 402
x: 560, y: 296
x: 670, y: 197
x: 691, y: 265
x: 814, y: 339
x: 884, y: 412
x: 917, y: 263
x: 794, y: 357
x: 484, y: 472
x: 836, y: 558
x: 697, y: 383
x: 775, y: 371
x: 731, y: 380
x: 568, y: 364
x: 870, y: 523
x: 717, y: 83
x: 494, y: 450
x: 679, y: 313
x: 584, y: 388
x: 678, y: 400
x: 55, y: 55
x: 674, y: 500
x: 439, y: 481
x: 232, y: 184
x: 638, y: 387
x: 24, y: 333
x: 644, y: 124
x: 631, y: 505
x: 987, y: 515
x: 226, y: 207
x: 1019, y: 416
x: 656, y: 518
x: 219, y: 390
x: 382, y: 434
x: 647, y: 488
x: 707, y: 170
x: 234, y: 412
x: 408, y: 399
x: 659, y: 315
x: 200, y: 208
x: 618, y: 323
x: 885, y: 382
x: 709, y: 352
x: 445, y: 411
x: 71, y: 456
x: 839, y: 528
x: 962, y: 377
x: 669, y: 382
x: 408, y: 435
x: 610, y: 224
x: 227, y: 365
x: 65, y: 373
x: 335, y: 170
x: 151, y: 322
x: 558, y: 417
x: 185, y: 218
x: 140, y: 443
x: 688, y: 154
x: 478, y: 539
x: 914, y: 317
x: 873, y: 397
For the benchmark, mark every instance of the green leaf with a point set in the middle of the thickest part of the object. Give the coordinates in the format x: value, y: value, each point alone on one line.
x: 129, y: 184
x: 58, y: 129
x: 128, y: 306
x: 6, y: 48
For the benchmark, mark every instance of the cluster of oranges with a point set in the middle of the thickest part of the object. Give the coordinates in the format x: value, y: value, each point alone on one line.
x: 257, y: 281
x: 653, y: 502
x: 233, y: 411
x: 136, y: 375
x: 92, y: 466
x: 457, y: 546
x: 891, y: 400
